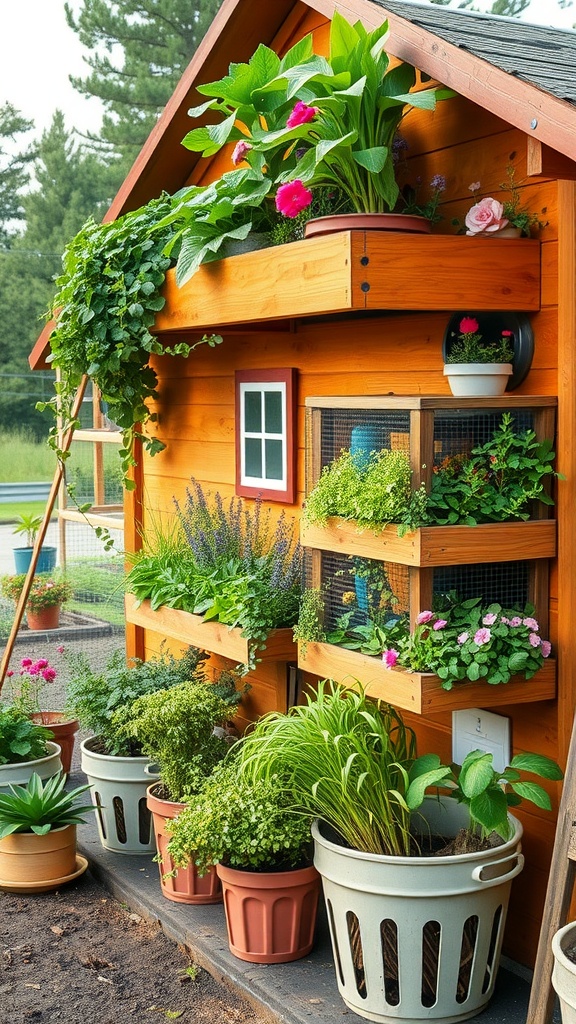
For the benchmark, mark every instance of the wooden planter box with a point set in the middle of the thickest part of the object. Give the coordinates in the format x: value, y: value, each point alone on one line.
x: 356, y: 270
x: 208, y: 636
x: 436, y: 545
x: 421, y: 692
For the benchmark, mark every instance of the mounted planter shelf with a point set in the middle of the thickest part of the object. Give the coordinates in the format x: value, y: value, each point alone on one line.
x: 421, y: 692
x: 208, y: 636
x: 436, y: 545
x: 356, y: 270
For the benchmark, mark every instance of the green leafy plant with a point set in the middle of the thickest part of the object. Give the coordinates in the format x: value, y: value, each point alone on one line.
x: 353, y: 764
x: 225, y: 561
x: 93, y: 696
x: 241, y: 825
x: 45, y: 592
x: 29, y: 525
x: 497, y: 482
x: 175, y: 728
x: 489, y: 215
x: 470, y: 347
x: 372, y: 488
x: 470, y: 643
x: 20, y: 739
x: 39, y: 807
x: 108, y: 296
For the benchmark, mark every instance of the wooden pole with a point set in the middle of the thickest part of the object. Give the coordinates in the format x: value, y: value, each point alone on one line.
x: 56, y: 482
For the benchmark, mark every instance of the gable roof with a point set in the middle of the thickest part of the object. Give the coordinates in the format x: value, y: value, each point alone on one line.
x: 510, y: 74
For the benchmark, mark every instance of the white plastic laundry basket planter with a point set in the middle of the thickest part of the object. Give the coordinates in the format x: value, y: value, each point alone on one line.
x: 418, y: 938
x: 564, y: 973
x: 118, y: 791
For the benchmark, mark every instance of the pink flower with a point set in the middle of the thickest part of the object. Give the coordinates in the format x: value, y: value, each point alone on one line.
x: 9, y: 673
x: 424, y: 617
x: 474, y: 187
x: 239, y: 152
x: 489, y: 619
x: 482, y: 636
x: 545, y: 648
x: 390, y: 657
x: 516, y: 621
x: 49, y: 674
x: 505, y: 620
x: 534, y: 640
x: 462, y: 638
x: 531, y: 623
x: 60, y: 649
x: 468, y: 325
x: 440, y: 623
x: 485, y: 217
x: 301, y: 114
x: 507, y: 334
x: 41, y: 663
x: 26, y: 662
x: 292, y: 198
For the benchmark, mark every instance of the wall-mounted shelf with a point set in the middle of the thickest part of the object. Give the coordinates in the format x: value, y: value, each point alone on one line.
x: 357, y: 270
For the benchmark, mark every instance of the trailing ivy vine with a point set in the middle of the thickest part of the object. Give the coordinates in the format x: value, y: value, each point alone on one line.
x: 108, y: 296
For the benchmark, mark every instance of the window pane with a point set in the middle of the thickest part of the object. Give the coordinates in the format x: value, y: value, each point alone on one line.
x: 253, y: 411
x: 273, y: 412
x: 253, y: 450
x: 273, y: 460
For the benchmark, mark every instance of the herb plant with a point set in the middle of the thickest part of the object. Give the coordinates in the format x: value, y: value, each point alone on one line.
x: 28, y: 524
x: 241, y: 825
x: 372, y: 488
x: 39, y: 807
x: 20, y: 739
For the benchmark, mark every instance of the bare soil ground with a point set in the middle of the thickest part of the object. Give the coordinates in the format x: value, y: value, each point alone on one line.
x: 77, y: 956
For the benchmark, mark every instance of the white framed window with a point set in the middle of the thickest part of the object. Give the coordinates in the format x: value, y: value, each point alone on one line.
x: 265, y: 434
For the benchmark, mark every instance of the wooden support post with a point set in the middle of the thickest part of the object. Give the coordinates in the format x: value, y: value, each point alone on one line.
x: 56, y: 482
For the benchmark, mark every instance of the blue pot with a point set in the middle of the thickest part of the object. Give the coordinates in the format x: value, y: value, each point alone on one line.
x: 46, y: 559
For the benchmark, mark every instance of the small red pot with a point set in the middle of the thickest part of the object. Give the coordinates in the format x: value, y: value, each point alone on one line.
x: 64, y: 730
x: 186, y: 885
x: 46, y: 618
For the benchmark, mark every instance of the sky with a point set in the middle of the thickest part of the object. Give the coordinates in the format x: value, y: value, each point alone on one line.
x: 39, y: 51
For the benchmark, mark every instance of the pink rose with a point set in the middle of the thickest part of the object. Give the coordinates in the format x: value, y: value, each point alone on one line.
x: 546, y: 648
x: 482, y: 636
x: 424, y: 617
x: 240, y: 150
x: 485, y: 217
x: 468, y: 325
x: 301, y: 114
x: 292, y: 198
x: 390, y: 657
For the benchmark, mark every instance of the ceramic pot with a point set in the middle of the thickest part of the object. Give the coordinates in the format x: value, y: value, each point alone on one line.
x: 32, y: 863
x: 399, y: 222
x: 118, y: 792
x: 63, y: 729
x: 46, y: 559
x: 18, y: 774
x: 477, y: 380
x: 270, y: 916
x: 452, y: 909
x: 46, y: 618
x: 186, y: 885
x: 564, y: 973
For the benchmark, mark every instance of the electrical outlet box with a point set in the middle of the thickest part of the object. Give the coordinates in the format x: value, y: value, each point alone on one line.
x: 474, y: 729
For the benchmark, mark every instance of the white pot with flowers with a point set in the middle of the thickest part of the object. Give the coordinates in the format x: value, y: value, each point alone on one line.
x: 475, y: 367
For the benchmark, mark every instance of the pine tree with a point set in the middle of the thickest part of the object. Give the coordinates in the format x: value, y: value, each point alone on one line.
x: 138, y: 50
x: 14, y: 173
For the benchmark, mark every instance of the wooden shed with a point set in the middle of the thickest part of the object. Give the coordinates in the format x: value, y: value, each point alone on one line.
x: 359, y: 316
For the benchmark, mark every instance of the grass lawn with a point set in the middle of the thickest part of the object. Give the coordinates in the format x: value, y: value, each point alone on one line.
x: 10, y: 511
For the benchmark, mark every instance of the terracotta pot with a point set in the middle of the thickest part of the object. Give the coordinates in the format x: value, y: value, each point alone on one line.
x: 270, y: 916
x: 31, y: 863
x: 47, y: 618
x: 64, y: 730
x: 186, y: 885
x: 367, y: 222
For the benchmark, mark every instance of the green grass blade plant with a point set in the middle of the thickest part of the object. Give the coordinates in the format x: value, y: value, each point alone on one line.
x: 40, y: 807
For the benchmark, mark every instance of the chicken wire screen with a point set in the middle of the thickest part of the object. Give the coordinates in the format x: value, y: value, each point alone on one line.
x: 458, y: 431
x: 359, y: 430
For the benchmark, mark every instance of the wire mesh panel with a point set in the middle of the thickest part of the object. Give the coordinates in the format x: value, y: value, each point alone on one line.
x: 359, y: 431
x: 459, y: 431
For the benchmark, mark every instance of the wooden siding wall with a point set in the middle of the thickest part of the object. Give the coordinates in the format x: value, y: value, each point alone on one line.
x: 398, y: 353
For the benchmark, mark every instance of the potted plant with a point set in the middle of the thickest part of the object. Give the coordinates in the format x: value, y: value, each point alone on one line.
x: 476, y: 367
x: 180, y: 729
x: 38, y: 835
x: 46, y: 596
x: 28, y: 525
x: 115, y: 764
x: 262, y: 854
x: 25, y: 692
x: 25, y: 748
x: 226, y: 572
x: 564, y: 972
x: 353, y: 765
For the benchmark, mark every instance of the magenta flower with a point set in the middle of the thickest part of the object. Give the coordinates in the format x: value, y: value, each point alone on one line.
x: 482, y: 636
x: 468, y: 325
x: 301, y: 114
x: 489, y: 619
x: 239, y: 152
x: 531, y: 623
x: 439, y: 624
x: 26, y: 662
x: 424, y: 617
x: 545, y: 648
x: 41, y: 663
x: 9, y: 673
x: 534, y: 640
x: 60, y: 649
x: 292, y: 198
x: 462, y: 638
x: 390, y: 657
